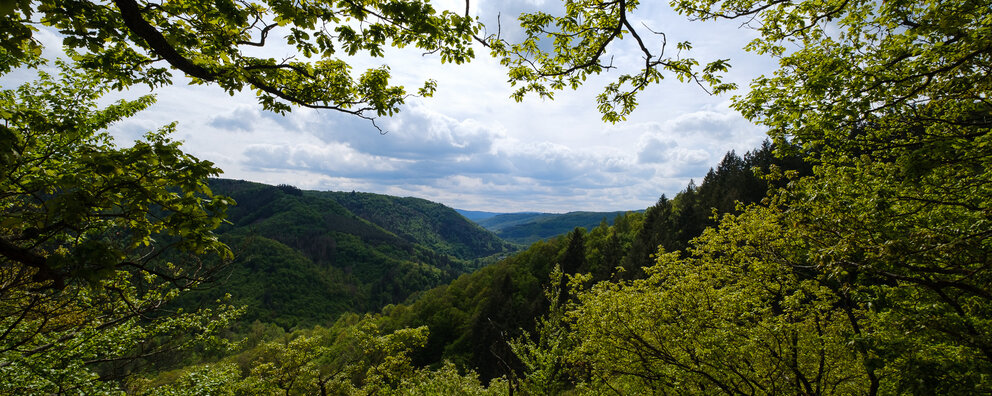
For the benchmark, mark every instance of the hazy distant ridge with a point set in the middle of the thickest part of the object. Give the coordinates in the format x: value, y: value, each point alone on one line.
x: 529, y: 227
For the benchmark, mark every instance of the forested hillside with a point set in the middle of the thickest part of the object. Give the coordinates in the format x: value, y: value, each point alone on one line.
x: 304, y: 259
x: 427, y: 223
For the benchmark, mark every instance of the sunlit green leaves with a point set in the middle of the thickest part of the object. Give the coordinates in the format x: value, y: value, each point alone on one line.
x: 86, y: 225
x: 561, y: 52
x: 733, y: 317
x: 871, y: 275
x: 214, y: 43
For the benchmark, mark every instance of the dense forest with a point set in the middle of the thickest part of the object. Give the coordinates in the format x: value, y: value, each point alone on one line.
x: 848, y: 255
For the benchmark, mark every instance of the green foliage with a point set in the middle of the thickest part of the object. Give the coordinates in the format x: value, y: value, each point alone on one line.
x: 738, y: 320
x: 579, y: 41
x: 352, y: 358
x: 281, y: 286
x: 287, y: 368
x: 802, y: 300
x: 672, y: 223
x: 910, y: 250
x: 426, y: 223
x: 206, y: 380
x: 895, y: 101
x: 446, y: 380
x: 544, y: 354
x: 75, y: 206
x: 871, y: 275
x: 85, y: 225
x: 387, y: 359
x: 136, y: 42
x: 480, y: 321
x: 471, y: 319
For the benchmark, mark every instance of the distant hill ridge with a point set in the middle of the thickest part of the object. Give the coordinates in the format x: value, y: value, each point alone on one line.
x: 526, y: 228
x: 476, y: 215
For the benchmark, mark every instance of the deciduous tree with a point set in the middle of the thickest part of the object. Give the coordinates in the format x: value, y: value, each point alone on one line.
x: 95, y: 239
x: 870, y: 276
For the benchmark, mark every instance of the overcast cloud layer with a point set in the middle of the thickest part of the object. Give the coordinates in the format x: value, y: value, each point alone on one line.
x: 470, y: 146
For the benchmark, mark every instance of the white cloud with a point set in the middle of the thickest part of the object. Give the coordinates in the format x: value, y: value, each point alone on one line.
x: 333, y: 160
x: 241, y: 119
x: 416, y: 133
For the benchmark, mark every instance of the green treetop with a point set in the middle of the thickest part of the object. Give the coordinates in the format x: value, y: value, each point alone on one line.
x: 95, y: 239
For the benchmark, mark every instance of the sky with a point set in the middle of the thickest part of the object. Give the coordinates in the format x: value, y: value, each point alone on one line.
x: 472, y: 147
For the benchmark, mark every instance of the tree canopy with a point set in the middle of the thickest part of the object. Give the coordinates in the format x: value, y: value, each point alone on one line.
x: 141, y: 42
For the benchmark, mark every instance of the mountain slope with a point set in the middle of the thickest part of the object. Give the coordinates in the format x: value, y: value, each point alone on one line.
x: 424, y: 222
x: 303, y: 258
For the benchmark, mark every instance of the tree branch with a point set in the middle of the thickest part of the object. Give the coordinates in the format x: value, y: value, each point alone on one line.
x: 131, y: 15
